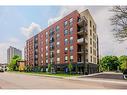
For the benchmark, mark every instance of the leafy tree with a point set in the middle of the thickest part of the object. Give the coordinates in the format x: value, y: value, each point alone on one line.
x: 123, y: 62
x: 13, y: 64
x: 109, y: 63
x: 49, y: 67
x: 119, y: 22
x: 70, y: 67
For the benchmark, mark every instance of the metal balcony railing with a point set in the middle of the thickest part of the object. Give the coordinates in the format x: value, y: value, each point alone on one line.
x: 80, y: 40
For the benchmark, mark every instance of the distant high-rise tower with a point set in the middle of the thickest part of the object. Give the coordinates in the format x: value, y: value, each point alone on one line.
x: 11, y: 52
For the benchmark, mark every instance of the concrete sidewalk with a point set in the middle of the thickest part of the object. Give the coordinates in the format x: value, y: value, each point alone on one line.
x: 99, y: 80
x: 86, y: 78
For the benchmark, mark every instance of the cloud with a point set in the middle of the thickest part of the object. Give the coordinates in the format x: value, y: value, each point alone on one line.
x: 30, y: 30
x: 13, y: 40
x: 64, y: 11
x: 101, y: 14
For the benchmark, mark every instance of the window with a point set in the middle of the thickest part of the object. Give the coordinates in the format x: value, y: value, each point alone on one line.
x: 94, y: 36
x: 71, y: 21
x: 57, y: 28
x: 94, y: 44
x: 58, y: 59
x: 46, y: 53
x: 46, y: 48
x: 93, y: 28
x: 65, y: 32
x: 90, y: 23
x: 91, y: 58
x: 66, y: 50
x: 46, y: 34
x: 51, y: 60
x: 71, y: 30
x: 46, y: 41
x: 71, y: 40
x: 91, y: 50
x: 42, y: 61
x: 71, y: 49
x: 51, y: 32
x: 58, y: 44
x: 47, y: 61
x: 90, y: 32
x: 94, y: 52
x: 66, y: 58
x: 65, y: 23
x: 65, y: 41
x: 90, y: 41
x: 58, y: 36
x: 58, y: 51
x: 42, y: 55
x: 71, y: 58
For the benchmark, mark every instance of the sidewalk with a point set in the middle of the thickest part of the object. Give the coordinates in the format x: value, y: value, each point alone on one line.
x: 100, y: 80
x: 86, y: 78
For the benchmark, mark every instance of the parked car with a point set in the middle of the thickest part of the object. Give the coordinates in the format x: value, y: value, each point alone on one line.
x: 125, y: 74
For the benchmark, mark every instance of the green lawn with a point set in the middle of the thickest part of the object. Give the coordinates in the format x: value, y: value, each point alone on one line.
x: 46, y: 74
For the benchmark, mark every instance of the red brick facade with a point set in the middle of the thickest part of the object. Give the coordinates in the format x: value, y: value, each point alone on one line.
x: 64, y: 42
x: 42, y: 42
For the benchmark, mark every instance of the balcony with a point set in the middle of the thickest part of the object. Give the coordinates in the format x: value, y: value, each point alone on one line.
x: 79, y: 62
x: 80, y: 40
x: 80, y: 31
x: 51, y: 40
x: 80, y: 51
x: 80, y: 22
x: 51, y: 55
x: 52, y: 48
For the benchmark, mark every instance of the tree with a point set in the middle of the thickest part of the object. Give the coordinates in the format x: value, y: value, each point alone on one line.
x: 119, y: 22
x: 109, y: 63
x: 123, y: 62
x: 13, y: 64
x: 49, y: 67
x: 70, y: 67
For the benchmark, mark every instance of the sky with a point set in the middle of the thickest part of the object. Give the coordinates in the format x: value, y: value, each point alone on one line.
x: 19, y: 23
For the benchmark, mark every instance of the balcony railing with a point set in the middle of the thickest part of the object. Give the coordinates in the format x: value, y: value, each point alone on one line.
x: 80, y: 22
x: 80, y: 40
x: 80, y: 50
x: 80, y: 31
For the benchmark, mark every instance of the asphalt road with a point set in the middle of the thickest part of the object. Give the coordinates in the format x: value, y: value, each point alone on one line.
x: 23, y: 81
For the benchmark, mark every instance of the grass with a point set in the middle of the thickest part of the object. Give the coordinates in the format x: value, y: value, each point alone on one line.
x: 46, y: 74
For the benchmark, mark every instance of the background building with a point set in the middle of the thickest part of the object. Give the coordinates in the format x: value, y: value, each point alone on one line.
x: 11, y: 51
x: 72, y: 39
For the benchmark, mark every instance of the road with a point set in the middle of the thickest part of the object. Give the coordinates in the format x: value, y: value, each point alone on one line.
x: 23, y: 81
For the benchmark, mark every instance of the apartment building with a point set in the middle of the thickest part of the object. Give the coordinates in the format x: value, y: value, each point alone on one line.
x: 11, y: 52
x: 73, y: 39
